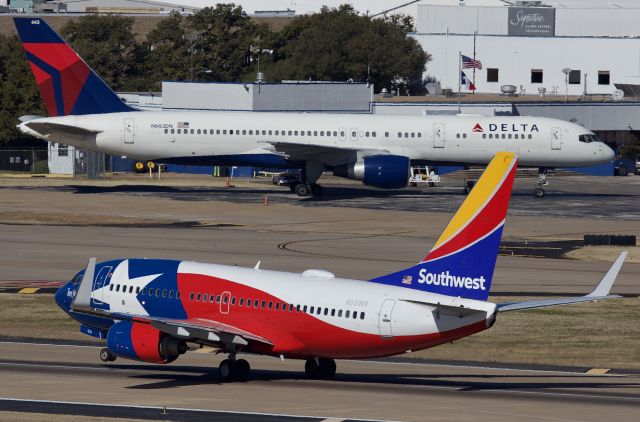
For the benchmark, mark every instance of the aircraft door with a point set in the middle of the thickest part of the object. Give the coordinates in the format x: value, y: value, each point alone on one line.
x: 225, y: 302
x: 129, y: 133
x: 100, y: 281
x: 384, y: 323
x: 556, y: 138
x: 353, y: 133
x: 438, y: 135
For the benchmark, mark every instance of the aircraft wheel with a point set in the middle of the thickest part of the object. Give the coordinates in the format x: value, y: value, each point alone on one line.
x: 302, y: 189
x: 226, y: 370
x: 312, y: 369
x: 327, y: 368
x: 106, y: 355
x: 292, y: 188
x: 538, y: 192
x: 316, y: 189
x: 242, y: 370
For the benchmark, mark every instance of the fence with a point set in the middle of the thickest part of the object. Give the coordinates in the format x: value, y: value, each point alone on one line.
x: 57, y: 159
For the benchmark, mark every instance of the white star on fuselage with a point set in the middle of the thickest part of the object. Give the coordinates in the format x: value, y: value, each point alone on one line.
x: 123, y: 301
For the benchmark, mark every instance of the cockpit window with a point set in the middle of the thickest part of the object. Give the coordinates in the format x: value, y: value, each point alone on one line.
x: 587, y: 138
x: 78, y: 278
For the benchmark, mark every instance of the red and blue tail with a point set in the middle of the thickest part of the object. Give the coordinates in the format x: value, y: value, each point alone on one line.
x: 462, y: 261
x: 67, y: 84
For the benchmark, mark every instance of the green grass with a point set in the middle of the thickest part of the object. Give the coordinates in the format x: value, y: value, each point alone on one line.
x: 603, y: 334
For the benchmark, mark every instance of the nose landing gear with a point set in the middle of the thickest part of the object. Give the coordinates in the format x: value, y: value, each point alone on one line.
x: 106, y: 355
x: 539, y: 192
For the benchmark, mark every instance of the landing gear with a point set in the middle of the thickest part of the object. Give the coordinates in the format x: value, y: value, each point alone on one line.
x: 538, y: 192
x: 320, y: 368
x: 234, y: 370
x: 307, y: 185
x: 304, y: 189
x: 106, y: 355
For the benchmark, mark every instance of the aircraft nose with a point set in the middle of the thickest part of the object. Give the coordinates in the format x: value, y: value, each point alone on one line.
x: 607, y: 153
x: 62, y: 297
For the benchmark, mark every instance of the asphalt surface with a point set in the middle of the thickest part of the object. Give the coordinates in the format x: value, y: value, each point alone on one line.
x: 364, y: 389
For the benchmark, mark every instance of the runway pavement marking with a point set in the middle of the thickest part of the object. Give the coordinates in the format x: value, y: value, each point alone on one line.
x: 597, y: 371
x: 377, y: 362
x: 29, y: 290
x: 186, y: 409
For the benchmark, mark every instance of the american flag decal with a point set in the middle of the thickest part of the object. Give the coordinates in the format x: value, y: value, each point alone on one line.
x: 183, y: 125
x: 407, y: 279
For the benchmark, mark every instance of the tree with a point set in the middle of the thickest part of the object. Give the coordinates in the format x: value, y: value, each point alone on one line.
x: 168, y: 57
x: 107, y: 43
x: 20, y: 94
x: 338, y: 44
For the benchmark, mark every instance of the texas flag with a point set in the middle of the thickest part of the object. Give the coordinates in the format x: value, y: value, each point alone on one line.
x: 464, y: 80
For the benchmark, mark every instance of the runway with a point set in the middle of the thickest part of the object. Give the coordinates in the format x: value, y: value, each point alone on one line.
x: 368, y: 390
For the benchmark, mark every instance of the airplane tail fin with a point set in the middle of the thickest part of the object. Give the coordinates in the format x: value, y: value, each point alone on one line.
x: 462, y: 261
x: 67, y: 84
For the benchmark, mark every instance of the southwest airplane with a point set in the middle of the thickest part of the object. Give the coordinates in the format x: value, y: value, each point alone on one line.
x: 375, y: 149
x: 149, y: 309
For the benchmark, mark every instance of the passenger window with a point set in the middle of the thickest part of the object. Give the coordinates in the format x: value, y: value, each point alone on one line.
x: 192, y: 131
x: 484, y: 136
x: 291, y: 307
x: 269, y: 132
x: 354, y: 134
x: 347, y: 313
x: 509, y: 136
x: 191, y: 296
x: 233, y: 300
x: 311, y: 310
x: 322, y: 133
x: 177, y: 294
x: 198, y: 297
x: 111, y: 287
x: 264, y: 303
x: 504, y: 136
x: 277, y: 306
x: 225, y: 299
x: 164, y: 292
x: 458, y: 135
x: 241, y: 302
x: 355, y: 315
x: 464, y: 135
x: 277, y: 132
x: 270, y: 305
x: 251, y: 132
x: 399, y: 134
x: 340, y: 312
x: 198, y: 131
x: 326, y: 311
x: 166, y: 131
x: 386, y: 134
x: 218, y: 298
x: 264, y: 132
x: 319, y: 311
x: 172, y: 131
x: 179, y: 131
x: 157, y: 292
x: 289, y: 133
x: 297, y: 308
x: 130, y: 289
x: 419, y: 134
x: 406, y: 134
x: 333, y: 312
x: 117, y: 288
x: 224, y: 132
x: 530, y: 136
x: 255, y: 304
x: 304, y: 308
x: 218, y: 132
x: 302, y: 133
x: 204, y: 131
x: 295, y: 133
x: 170, y: 294
x: 373, y: 134
x: 413, y: 135
x: 341, y: 134
x: 361, y: 315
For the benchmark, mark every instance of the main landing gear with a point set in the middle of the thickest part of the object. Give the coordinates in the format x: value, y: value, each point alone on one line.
x: 234, y: 370
x: 307, y: 185
x: 320, y: 368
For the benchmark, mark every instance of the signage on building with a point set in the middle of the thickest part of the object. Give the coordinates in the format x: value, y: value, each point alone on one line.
x: 532, y: 21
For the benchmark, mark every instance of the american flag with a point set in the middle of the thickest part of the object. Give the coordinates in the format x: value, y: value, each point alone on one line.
x: 183, y: 125
x: 469, y: 63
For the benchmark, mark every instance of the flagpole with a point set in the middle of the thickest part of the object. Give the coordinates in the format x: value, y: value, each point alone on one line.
x: 474, y: 59
x: 459, y: 80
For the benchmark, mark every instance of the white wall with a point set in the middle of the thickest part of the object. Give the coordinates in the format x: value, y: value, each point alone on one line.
x: 516, y: 56
x: 207, y: 96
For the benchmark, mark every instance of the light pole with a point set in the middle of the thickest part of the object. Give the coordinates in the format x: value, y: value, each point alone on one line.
x: 566, y: 71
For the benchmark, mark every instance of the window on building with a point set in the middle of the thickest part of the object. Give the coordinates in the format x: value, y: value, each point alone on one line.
x: 603, y: 77
x: 574, y: 77
x: 536, y: 76
x: 492, y: 74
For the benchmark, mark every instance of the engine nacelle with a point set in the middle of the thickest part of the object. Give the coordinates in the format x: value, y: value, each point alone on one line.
x: 133, y: 340
x: 380, y: 171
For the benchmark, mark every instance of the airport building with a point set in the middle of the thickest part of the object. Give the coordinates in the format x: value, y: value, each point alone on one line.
x: 528, y: 44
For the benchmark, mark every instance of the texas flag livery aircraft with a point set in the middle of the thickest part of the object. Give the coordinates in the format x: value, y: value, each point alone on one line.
x: 375, y: 149
x: 149, y: 309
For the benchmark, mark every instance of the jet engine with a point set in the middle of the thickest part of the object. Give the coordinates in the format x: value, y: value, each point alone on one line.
x: 380, y: 171
x: 137, y: 341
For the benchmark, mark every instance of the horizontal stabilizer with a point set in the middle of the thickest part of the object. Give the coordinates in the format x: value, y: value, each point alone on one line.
x: 48, y: 128
x: 599, y: 293
x: 453, y: 310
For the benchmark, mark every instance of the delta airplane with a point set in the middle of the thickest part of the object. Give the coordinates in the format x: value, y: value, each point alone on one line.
x: 375, y: 149
x: 150, y: 309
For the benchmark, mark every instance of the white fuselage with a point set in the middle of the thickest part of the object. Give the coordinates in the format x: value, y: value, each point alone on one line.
x: 539, y: 142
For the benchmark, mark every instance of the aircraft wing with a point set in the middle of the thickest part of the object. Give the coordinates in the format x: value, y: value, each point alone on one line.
x: 302, y: 151
x: 599, y: 293
x: 48, y: 128
x: 193, y: 329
